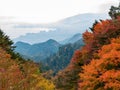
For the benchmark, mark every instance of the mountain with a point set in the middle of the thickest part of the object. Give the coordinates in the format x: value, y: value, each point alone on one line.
x: 22, y: 47
x: 62, y: 58
x: 58, y: 31
x: 73, y: 39
x: 38, y: 51
x: 41, y: 51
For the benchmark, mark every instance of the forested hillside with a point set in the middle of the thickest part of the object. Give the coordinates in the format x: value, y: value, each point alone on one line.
x: 17, y: 73
x: 96, y: 65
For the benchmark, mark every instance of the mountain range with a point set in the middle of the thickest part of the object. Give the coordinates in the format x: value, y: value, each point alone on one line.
x: 72, y: 39
x: 37, y: 51
x: 40, y: 51
x: 51, y: 54
x: 60, y: 30
x: 55, y: 47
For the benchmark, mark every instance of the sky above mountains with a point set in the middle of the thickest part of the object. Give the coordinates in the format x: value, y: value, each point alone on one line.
x: 14, y: 12
x: 45, y: 11
x: 72, y: 25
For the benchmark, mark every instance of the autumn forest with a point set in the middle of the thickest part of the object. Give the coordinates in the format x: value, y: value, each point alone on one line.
x: 94, y: 66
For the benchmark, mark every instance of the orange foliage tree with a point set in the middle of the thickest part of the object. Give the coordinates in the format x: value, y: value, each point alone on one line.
x: 103, y: 73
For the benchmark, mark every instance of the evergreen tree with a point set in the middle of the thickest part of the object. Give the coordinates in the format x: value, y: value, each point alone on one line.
x: 114, y: 11
x: 7, y: 45
x: 5, y: 42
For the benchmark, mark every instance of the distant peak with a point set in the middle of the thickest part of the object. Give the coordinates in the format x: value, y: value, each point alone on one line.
x: 51, y: 40
x: 20, y: 42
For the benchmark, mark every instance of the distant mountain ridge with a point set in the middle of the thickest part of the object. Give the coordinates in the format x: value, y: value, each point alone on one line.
x: 37, y: 51
x: 60, y: 30
x: 40, y: 51
x: 72, y: 39
x: 22, y: 47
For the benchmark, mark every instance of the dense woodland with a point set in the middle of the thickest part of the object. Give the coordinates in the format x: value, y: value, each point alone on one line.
x: 95, y: 66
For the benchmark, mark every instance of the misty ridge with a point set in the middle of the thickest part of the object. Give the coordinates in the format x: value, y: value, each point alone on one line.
x: 56, y: 31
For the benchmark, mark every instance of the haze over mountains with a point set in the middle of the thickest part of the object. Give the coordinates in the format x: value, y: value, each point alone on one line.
x: 66, y: 34
x: 58, y: 31
x: 50, y: 54
x: 62, y: 29
x: 40, y: 51
x: 56, y: 42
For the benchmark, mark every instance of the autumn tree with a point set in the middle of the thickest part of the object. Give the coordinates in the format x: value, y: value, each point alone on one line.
x: 103, y: 73
x: 101, y: 34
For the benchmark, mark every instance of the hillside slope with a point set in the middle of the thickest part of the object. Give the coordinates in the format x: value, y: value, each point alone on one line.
x: 17, y: 73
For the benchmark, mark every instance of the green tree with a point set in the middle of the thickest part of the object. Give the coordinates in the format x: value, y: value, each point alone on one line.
x: 5, y: 42
x: 114, y: 11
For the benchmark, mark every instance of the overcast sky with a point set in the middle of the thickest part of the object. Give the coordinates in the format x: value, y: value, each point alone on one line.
x: 44, y: 11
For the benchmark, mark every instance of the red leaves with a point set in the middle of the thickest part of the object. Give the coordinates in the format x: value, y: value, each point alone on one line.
x: 76, y: 57
x: 88, y: 37
x: 102, y: 27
